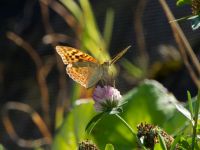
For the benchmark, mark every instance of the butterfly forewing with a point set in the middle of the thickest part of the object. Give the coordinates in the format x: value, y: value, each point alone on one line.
x: 70, y: 55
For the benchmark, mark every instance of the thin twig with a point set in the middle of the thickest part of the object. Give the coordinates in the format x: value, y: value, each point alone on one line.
x: 140, y: 38
x: 181, y: 35
x: 47, y: 138
x: 68, y: 18
x: 183, y: 45
x: 62, y: 95
x: 40, y: 71
x: 45, y: 16
x: 62, y: 11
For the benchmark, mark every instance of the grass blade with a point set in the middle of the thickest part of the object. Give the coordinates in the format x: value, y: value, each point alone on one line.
x: 162, y: 142
x: 108, y: 27
x: 195, y: 120
x: 190, y: 104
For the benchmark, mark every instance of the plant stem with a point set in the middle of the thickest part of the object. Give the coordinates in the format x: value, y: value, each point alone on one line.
x: 129, y: 127
x: 195, y: 120
x: 126, y: 124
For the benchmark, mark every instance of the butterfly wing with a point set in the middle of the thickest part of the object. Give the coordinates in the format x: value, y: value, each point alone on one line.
x: 85, y: 73
x: 70, y: 55
x: 81, y: 67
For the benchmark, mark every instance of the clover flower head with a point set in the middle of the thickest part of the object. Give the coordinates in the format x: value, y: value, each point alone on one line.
x: 106, y: 98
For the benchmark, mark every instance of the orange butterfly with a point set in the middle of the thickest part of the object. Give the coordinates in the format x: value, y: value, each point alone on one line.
x: 83, y: 68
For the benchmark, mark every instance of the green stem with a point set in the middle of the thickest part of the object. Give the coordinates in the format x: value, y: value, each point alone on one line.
x: 195, y: 120
x: 129, y: 127
x: 126, y: 124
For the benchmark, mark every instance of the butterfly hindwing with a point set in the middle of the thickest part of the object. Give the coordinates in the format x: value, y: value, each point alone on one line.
x: 85, y: 73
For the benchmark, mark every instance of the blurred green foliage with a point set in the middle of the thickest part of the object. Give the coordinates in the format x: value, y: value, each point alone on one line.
x: 1, y: 147
x: 150, y: 102
x: 89, y: 35
x: 72, y: 130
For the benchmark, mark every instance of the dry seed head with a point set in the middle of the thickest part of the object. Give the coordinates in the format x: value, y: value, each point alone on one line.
x: 195, y: 7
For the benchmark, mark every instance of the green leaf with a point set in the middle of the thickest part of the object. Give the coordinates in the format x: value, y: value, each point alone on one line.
x: 149, y: 102
x: 162, y: 142
x: 176, y: 140
x: 72, y: 130
x: 182, y: 2
x: 157, y: 147
x: 94, y: 121
x: 109, y: 147
x: 184, y: 111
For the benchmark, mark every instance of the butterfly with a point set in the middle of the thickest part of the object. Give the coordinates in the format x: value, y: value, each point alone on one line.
x: 83, y: 68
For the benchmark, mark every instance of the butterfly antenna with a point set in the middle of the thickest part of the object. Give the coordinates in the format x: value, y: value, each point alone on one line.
x: 119, y: 55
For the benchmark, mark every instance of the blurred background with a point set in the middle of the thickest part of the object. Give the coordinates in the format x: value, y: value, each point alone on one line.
x: 31, y: 72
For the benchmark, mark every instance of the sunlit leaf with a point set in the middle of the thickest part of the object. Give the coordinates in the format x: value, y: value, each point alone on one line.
x: 73, y: 7
x: 72, y: 130
x: 94, y: 121
x: 109, y: 147
x: 184, y: 111
x: 182, y: 2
